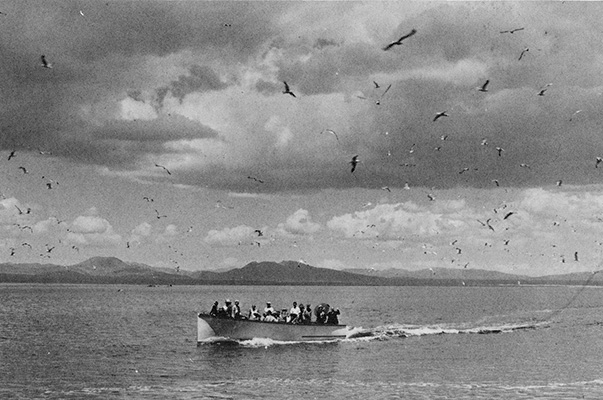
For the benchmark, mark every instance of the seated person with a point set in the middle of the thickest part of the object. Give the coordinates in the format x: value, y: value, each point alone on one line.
x: 283, y: 316
x: 293, y: 313
x: 321, y: 311
x: 300, y: 317
x: 307, y: 315
x: 268, y: 308
x: 269, y: 317
x: 236, y: 310
x: 254, y: 314
x: 332, y: 317
x: 214, y: 310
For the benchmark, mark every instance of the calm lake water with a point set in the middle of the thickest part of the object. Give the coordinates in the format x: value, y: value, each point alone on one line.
x: 114, y: 342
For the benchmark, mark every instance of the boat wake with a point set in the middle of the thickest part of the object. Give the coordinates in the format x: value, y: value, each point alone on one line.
x: 402, y: 331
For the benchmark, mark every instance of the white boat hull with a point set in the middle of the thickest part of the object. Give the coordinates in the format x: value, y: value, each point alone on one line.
x: 209, y: 327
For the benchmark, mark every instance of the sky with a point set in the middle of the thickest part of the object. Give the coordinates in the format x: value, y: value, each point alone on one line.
x: 162, y: 133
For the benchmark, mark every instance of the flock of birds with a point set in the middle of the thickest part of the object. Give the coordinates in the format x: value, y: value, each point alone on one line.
x: 354, y: 162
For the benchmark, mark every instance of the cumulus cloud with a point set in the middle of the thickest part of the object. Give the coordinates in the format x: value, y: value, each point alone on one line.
x: 230, y: 236
x: 92, y: 230
x: 299, y: 223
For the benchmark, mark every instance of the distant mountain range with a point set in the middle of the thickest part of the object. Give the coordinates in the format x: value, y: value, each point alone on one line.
x: 113, y: 270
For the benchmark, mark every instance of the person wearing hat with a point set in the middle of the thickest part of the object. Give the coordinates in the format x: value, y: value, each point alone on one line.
x: 268, y: 309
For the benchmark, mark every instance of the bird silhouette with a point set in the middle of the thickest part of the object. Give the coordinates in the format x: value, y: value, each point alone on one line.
x: 508, y: 214
x: 11, y: 155
x: 259, y: 232
x: 354, y: 162
x: 255, y: 179
x: 500, y: 150
x: 543, y: 89
x: 166, y: 170
x: 513, y: 30
x: 45, y: 62
x: 23, y: 169
x: 599, y: 161
x: 483, y: 87
x: 332, y: 132
x: 287, y: 90
x: 522, y: 53
x: 440, y: 115
x: 399, y: 41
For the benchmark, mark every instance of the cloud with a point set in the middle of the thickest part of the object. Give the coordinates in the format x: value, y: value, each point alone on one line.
x: 92, y: 230
x: 230, y: 236
x: 299, y: 223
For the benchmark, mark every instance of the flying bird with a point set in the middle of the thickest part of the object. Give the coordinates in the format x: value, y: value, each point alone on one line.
x: 599, y: 161
x: 496, y: 182
x: 255, y: 179
x: 377, y: 86
x: 522, y: 165
x: 386, y: 188
x: 513, y: 30
x: 559, y: 182
x: 399, y: 41
x: 354, y: 162
x: 331, y: 131
x: 45, y: 62
x: 484, y: 142
x: 489, y: 226
x: 430, y: 197
x: 522, y: 53
x: 160, y: 216
x: 440, y: 115
x: 259, y: 232
x: 483, y: 87
x: 378, y: 101
x: 23, y: 169
x: 287, y: 90
x: 500, y: 150
x: 507, y: 215
x: 544, y: 89
x: 11, y: 155
x: 166, y: 170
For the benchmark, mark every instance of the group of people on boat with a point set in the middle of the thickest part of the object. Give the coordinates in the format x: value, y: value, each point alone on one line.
x: 298, y: 314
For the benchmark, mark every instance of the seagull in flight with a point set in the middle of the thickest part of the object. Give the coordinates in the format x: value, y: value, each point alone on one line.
x: 287, y: 90
x: 160, y: 216
x: 255, y: 179
x: 11, y: 155
x: 522, y: 53
x: 354, y: 162
x: 166, y: 170
x: 377, y: 86
x: 543, y: 89
x: 599, y: 161
x: 440, y: 115
x: 378, y: 101
x: 45, y: 62
x: 513, y: 30
x: 259, y: 232
x: 399, y: 41
x: 483, y: 87
x: 500, y: 150
x: 508, y: 214
x: 23, y: 169
x: 331, y: 131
